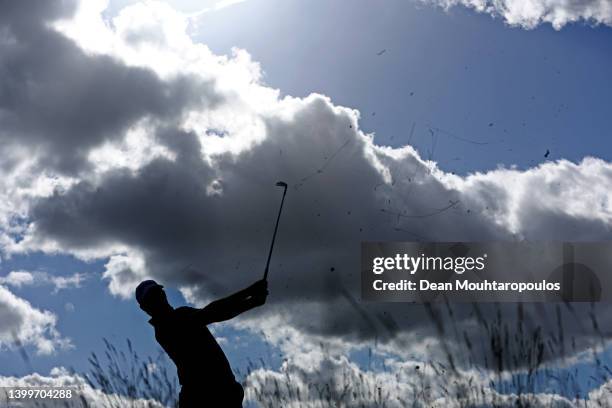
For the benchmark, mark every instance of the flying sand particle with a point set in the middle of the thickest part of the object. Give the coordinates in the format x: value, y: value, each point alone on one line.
x: 326, y: 162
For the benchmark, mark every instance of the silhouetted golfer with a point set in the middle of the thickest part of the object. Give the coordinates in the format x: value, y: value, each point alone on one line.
x: 203, y: 370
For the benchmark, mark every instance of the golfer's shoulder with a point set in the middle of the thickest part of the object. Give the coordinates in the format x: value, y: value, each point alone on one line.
x: 185, y: 312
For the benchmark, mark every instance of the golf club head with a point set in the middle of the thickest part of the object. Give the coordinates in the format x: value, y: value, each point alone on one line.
x: 281, y: 184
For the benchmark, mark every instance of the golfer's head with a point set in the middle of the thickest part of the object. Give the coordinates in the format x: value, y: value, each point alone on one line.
x: 151, y: 297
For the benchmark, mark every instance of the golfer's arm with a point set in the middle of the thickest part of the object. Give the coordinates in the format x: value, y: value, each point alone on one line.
x: 227, y: 308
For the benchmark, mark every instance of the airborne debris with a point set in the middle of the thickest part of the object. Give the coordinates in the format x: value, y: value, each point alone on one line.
x: 434, y: 143
x: 454, y: 136
x: 411, y: 132
x: 381, y: 52
x: 417, y: 236
x: 326, y: 162
x: 378, y: 185
x: 547, y: 153
x: 436, y: 212
x: 360, y: 310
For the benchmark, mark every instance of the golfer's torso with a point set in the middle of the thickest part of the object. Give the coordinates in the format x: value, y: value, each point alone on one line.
x: 198, y: 357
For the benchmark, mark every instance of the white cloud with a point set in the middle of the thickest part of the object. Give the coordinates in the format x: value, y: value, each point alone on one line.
x: 124, y: 272
x: 320, y: 380
x: 22, y: 324
x: 319, y: 373
x: 66, y: 282
x: 602, y: 396
x: 531, y: 13
x: 18, y: 279
x: 84, y: 395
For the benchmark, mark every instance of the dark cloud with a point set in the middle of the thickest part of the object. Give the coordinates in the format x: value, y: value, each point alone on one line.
x: 166, y: 211
x: 60, y: 102
x: 217, y: 242
x: 27, y: 15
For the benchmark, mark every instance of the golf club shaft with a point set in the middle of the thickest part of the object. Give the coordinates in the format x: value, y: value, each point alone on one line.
x: 274, y: 235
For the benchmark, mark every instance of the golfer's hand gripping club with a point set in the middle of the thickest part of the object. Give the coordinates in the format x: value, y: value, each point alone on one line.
x: 258, y: 292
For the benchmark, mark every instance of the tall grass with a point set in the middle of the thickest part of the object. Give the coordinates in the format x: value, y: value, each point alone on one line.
x: 506, y: 361
x: 122, y: 372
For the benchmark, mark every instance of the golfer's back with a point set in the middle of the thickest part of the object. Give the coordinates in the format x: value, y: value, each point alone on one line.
x: 203, y: 370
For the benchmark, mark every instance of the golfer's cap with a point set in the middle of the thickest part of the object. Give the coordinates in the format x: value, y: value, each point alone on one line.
x: 144, y: 287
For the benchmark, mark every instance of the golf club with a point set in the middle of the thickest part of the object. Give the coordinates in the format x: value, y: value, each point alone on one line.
x: 284, y: 186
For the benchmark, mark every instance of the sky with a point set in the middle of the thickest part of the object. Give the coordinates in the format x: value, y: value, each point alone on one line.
x: 455, y: 70
x: 135, y: 133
